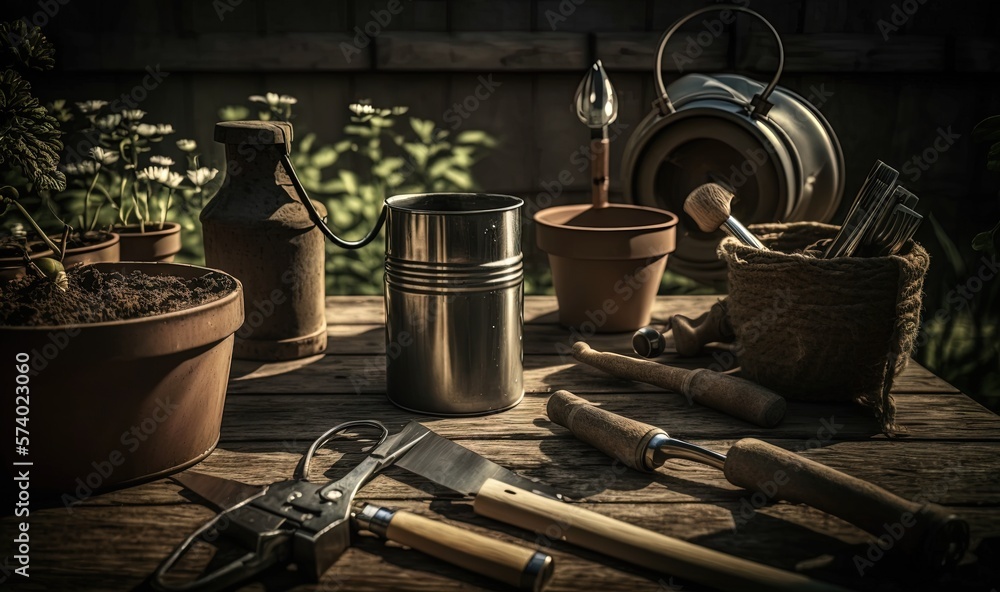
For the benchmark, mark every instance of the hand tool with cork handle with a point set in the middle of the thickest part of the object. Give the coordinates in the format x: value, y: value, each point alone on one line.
x: 690, y: 335
x: 733, y: 395
x: 930, y: 533
x: 502, y: 495
x: 709, y: 206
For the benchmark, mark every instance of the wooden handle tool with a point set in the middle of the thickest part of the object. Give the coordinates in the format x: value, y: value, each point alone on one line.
x: 525, y: 569
x: 567, y: 522
x: 691, y: 337
x: 927, y: 531
x: 730, y: 394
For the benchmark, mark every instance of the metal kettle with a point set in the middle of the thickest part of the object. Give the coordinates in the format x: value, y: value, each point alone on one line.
x: 767, y: 144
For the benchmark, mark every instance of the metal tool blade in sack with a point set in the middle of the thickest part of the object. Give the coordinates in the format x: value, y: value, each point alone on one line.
x: 310, y: 524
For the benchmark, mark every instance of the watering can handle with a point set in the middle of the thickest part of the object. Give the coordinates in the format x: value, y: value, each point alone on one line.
x: 759, y: 103
x: 343, y: 244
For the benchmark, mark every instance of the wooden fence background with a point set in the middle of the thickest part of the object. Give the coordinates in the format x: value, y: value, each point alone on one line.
x: 888, y: 74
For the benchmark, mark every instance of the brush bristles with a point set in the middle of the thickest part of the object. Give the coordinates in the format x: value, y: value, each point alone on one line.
x: 708, y: 205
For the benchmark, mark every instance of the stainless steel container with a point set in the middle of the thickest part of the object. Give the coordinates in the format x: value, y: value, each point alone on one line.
x: 454, y: 296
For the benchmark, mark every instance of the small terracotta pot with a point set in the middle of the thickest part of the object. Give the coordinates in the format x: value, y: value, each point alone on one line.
x: 152, y: 245
x: 106, y: 251
x: 607, y: 263
x: 12, y: 261
x: 118, y: 403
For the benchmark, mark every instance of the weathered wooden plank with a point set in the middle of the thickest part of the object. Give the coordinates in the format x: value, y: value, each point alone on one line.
x: 684, y: 53
x: 834, y: 52
x: 542, y: 373
x: 933, y: 417
x: 914, y: 470
x: 479, y: 52
x: 487, y: 15
x: 429, y: 15
x: 117, y: 548
x: 240, y: 52
x: 306, y: 16
x: 589, y: 16
x: 977, y: 54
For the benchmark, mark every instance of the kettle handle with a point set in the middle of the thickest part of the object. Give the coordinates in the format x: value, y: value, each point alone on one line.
x: 286, y: 162
x: 759, y: 103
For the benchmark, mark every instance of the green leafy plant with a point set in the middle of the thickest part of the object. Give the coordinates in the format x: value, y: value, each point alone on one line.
x: 381, y: 154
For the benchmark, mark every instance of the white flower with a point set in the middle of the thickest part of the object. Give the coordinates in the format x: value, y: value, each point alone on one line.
x: 186, y: 145
x: 274, y: 99
x: 361, y: 109
x: 164, y: 129
x: 202, y: 176
x: 84, y: 167
x: 133, y: 114
x: 173, y: 180
x: 154, y: 173
x: 91, y: 106
x: 108, y: 122
x: 145, y: 130
x: 102, y: 156
x: 161, y: 160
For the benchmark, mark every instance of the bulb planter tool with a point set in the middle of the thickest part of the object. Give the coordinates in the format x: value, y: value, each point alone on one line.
x: 732, y: 395
x: 597, y: 108
x: 931, y: 533
x: 709, y: 206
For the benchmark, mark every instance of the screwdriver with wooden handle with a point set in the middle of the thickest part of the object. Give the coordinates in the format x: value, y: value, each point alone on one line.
x: 736, y: 396
x: 927, y: 532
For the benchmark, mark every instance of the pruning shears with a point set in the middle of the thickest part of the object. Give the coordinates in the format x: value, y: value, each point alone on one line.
x: 310, y: 525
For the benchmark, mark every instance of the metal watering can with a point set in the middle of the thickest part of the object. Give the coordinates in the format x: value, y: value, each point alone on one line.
x: 767, y: 144
x: 453, y: 277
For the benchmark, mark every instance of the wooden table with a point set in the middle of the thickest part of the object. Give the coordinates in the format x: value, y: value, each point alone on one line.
x: 114, y: 541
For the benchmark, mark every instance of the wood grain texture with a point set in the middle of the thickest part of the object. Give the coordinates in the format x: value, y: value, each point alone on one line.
x: 948, y: 458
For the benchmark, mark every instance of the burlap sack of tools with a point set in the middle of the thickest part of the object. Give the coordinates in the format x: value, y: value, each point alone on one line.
x: 818, y: 329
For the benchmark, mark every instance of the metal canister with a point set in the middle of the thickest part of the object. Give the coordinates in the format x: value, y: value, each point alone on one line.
x: 454, y: 293
x: 258, y: 229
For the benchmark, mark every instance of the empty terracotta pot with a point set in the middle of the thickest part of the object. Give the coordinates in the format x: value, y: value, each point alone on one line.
x: 117, y: 403
x: 607, y: 263
x: 152, y: 245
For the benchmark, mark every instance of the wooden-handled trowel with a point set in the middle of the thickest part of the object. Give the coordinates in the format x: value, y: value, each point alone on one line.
x: 507, y: 497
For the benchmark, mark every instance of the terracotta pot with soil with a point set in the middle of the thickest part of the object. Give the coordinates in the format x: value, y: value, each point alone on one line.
x: 125, y: 373
x: 152, y: 245
x: 95, y: 246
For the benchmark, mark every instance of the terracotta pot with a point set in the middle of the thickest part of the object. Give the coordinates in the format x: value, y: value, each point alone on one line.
x: 607, y: 263
x: 106, y: 251
x: 118, y: 403
x: 152, y: 245
x: 12, y: 261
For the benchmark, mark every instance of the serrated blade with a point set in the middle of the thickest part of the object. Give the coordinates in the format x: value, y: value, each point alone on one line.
x: 460, y: 469
x: 220, y: 493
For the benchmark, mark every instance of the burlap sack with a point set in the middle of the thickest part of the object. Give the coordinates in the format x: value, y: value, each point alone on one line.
x: 818, y: 329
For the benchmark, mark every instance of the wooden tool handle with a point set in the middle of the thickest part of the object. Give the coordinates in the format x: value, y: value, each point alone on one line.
x: 556, y: 520
x: 736, y: 396
x: 928, y: 529
x: 505, y: 562
x: 691, y: 336
x: 612, y: 434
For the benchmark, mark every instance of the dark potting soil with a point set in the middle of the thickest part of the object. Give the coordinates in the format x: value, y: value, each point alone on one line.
x: 98, y: 296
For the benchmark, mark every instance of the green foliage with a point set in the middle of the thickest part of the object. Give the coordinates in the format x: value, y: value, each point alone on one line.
x: 959, y: 339
x: 381, y: 154
x: 29, y: 135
